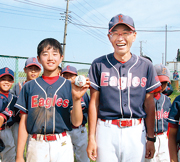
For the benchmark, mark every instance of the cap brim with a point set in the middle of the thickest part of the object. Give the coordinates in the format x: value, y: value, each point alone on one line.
x: 33, y: 64
x: 68, y: 71
x: 163, y: 78
x: 124, y: 24
x: 6, y: 74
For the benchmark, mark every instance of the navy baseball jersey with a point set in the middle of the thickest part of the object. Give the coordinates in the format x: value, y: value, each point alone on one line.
x: 163, y: 105
x: 122, y: 86
x: 16, y: 89
x: 174, y: 115
x: 85, y: 101
x: 7, y: 108
x: 48, y: 106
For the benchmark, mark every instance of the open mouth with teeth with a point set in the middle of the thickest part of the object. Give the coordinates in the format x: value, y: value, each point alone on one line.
x: 121, y: 45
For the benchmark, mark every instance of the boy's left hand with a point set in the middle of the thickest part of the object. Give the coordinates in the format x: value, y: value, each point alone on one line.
x: 78, y: 92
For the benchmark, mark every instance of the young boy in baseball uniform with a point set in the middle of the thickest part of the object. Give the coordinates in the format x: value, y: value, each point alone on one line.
x: 32, y: 69
x: 121, y: 83
x: 78, y: 134
x: 7, y: 102
x: 163, y: 104
x: 45, y: 104
x: 174, y: 130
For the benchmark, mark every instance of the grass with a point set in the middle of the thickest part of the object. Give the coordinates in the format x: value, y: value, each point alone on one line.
x: 174, y: 95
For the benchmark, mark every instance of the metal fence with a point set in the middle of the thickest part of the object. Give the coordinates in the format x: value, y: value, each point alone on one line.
x: 16, y: 63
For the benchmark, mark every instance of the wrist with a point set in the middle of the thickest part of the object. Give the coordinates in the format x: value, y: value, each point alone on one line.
x: 152, y: 139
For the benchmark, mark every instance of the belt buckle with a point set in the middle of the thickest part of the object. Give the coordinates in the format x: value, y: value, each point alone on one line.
x: 45, y: 138
x: 119, y: 123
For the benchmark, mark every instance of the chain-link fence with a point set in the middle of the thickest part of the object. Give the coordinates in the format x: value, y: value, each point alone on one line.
x: 17, y: 63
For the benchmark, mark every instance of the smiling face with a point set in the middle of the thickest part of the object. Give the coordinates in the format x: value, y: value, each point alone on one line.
x: 32, y: 72
x: 50, y: 59
x: 6, y: 82
x: 121, y: 38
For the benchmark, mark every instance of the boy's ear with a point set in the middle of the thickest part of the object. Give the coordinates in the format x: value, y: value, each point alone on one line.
x: 61, y: 58
x: 38, y: 58
x: 25, y: 70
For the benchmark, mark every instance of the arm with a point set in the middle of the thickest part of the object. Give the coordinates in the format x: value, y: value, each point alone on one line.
x: 150, y: 119
x: 1, y: 121
x: 77, y: 93
x: 22, y: 138
x: 92, y: 121
x: 172, y: 144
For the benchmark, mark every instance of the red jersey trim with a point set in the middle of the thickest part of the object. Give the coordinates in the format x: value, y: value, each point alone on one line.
x: 22, y: 112
x: 5, y: 94
x: 50, y: 80
x: 157, y: 96
x: 156, y: 90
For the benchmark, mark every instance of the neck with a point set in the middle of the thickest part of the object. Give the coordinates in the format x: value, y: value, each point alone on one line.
x: 51, y: 73
x: 4, y: 92
x: 124, y: 57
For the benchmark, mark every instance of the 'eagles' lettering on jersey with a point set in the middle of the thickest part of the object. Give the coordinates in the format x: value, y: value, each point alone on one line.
x: 47, y: 103
x: 161, y: 114
x: 122, y: 82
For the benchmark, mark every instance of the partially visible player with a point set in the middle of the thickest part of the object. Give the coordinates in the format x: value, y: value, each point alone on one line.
x: 163, y: 104
x: 60, y: 70
x: 45, y: 104
x: 32, y: 69
x: 174, y: 131
x: 78, y: 134
x: 169, y: 90
x: 121, y: 83
x: 7, y: 102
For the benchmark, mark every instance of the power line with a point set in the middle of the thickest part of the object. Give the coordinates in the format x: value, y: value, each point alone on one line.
x: 28, y: 15
x: 96, y: 10
x: 40, y: 5
x: 27, y: 8
x: 28, y: 12
x: 28, y: 29
x: 90, y: 11
x: 91, y: 34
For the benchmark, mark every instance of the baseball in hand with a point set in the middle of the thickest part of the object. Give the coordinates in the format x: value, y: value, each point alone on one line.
x: 80, y: 81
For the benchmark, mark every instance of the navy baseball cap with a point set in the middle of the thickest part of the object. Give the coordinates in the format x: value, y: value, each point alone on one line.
x: 162, y: 72
x: 121, y: 19
x: 6, y: 71
x: 32, y: 61
x: 69, y: 69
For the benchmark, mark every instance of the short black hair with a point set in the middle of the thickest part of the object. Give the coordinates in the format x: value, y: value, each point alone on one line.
x: 52, y: 43
x: 59, y: 68
x: 147, y: 57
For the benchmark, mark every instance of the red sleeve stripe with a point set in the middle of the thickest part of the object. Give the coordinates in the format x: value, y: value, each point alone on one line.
x: 22, y: 112
x: 156, y: 90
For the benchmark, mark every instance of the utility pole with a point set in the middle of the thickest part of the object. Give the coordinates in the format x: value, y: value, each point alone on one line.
x: 141, y: 53
x: 163, y: 58
x: 65, y: 31
x: 165, y: 44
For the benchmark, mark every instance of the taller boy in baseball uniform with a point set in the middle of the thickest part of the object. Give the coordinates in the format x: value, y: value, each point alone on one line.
x: 121, y: 83
x: 45, y: 104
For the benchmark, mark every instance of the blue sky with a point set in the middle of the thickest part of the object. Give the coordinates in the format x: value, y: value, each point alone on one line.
x: 23, y: 25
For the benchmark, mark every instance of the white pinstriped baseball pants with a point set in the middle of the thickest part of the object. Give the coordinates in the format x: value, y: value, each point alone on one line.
x: 120, y: 144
